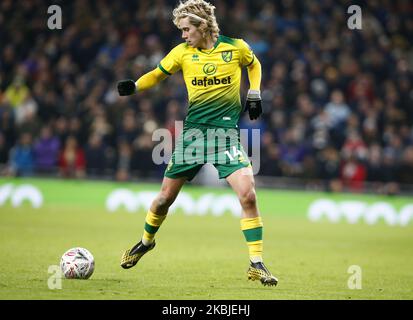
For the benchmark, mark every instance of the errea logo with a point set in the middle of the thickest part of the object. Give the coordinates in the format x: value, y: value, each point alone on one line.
x: 195, y: 57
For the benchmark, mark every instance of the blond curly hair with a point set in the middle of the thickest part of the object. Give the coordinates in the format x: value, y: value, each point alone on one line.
x: 200, y: 14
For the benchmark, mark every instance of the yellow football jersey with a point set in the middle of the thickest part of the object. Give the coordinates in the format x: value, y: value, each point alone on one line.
x: 212, y: 78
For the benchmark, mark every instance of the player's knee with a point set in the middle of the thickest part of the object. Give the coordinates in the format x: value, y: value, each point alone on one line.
x: 248, y: 199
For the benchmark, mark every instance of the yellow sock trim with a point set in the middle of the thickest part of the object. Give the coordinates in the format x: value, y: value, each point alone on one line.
x: 152, y: 224
x: 252, y: 229
x: 154, y: 219
x: 148, y: 236
x: 255, y: 248
x: 251, y: 223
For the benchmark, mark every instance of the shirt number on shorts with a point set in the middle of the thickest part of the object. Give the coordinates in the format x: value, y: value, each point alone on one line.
x: 235, y: 153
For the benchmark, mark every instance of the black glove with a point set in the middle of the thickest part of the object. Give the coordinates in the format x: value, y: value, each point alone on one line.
x: 126, y: 87
x: 253, y: 104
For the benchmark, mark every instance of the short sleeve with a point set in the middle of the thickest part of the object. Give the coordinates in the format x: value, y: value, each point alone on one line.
x: 246, y: 54
x: 172, y: 62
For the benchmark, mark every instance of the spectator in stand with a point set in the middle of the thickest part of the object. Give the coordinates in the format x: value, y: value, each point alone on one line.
x: 278, y: 124
x: 72, y: 159
x: 95, y: 156
x: 128, y: 130
x: 141, y: 161
x: 354, y: 146
x: 21, y: 159
x: 76, y: 128
x: 389, y: 166
x: 270, y: 161
x: 374, y: 164
x: 338, y: 112
x: 101, y: 126
x: 46, y: 151
x: 361, y: 88
x: 329, y: 169
x: 123, y: 166
x: 26, y: 111
x: 17, y: 92
x: 395, y: 148
x: 353, y: 173
x: 270, y: 157
x: 292, y: 152
x: 60, y: 129
x: 405, y: 170
x: 4, y: 152
x: 173, y: 114
x: 7, y: 124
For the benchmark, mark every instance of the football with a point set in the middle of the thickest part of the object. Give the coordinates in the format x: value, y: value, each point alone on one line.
x: 77, y: 263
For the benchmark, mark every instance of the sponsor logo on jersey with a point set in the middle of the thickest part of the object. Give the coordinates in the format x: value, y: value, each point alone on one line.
x: 210, y: 69
x: 205, y: 82
x: 226, y: 56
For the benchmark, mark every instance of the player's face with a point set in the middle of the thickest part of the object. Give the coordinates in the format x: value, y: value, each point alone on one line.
x: 190, y: 33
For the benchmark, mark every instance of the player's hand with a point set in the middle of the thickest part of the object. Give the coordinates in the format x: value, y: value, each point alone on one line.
x: 126, y: 87
x: 253, y: 104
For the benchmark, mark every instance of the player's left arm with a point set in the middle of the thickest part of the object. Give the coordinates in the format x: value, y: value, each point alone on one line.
x: 253, y: 102
x: 254, y: 74
x: 249, y: 59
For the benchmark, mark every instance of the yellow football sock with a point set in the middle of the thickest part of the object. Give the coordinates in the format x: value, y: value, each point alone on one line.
x: 152, y: 224
x: 252, y: 229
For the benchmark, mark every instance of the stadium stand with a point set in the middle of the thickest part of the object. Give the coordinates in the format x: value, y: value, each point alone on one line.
x: 338, y: 103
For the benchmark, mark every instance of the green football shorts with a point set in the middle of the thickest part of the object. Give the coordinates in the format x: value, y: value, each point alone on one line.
x: 199, y: 144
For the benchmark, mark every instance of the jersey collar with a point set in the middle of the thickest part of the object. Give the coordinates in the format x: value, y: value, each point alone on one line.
x: 213, y: 49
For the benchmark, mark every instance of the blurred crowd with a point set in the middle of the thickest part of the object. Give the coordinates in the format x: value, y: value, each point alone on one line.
x: 338, y: 103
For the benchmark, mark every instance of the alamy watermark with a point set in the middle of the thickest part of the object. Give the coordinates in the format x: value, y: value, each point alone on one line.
x: 55, y: 280
x: 354, y: 281
x: 355, y: 21
x: 55, y: 20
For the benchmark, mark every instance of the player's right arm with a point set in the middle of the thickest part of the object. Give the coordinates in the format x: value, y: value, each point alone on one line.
x: 147, y: 81
x: 169, y: 65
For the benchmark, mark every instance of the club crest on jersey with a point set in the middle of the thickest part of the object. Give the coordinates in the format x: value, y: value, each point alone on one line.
x: 209, y: 69
x: 226, y: 56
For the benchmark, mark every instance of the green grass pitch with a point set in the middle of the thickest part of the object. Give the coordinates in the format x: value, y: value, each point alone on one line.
x: 200, y: 257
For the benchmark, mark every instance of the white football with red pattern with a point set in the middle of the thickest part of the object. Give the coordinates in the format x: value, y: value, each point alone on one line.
x: 77, y: 263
